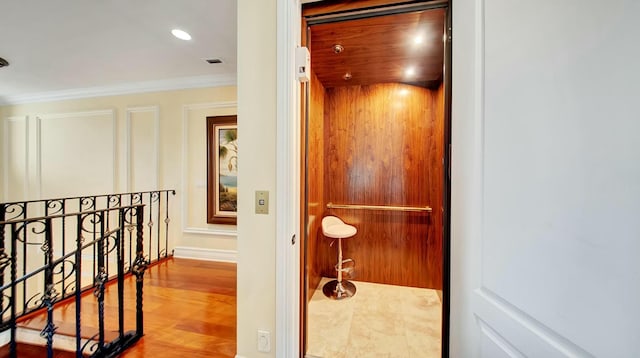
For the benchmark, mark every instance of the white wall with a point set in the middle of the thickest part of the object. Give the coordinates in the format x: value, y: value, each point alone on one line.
x: 257, y: 120
x: 546, y: 179
x: 118, y: 144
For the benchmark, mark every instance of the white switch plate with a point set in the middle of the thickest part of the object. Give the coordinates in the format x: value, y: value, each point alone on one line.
x: 264, y: 341
x: 262, y: 202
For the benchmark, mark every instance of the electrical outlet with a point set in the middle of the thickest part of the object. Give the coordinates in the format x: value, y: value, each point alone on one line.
x: 264, y: 341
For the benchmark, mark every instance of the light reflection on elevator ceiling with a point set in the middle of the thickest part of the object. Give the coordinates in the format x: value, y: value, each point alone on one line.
x: 406, y: 48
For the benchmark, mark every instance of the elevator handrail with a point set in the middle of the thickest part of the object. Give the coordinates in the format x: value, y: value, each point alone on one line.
x: 380, y: 207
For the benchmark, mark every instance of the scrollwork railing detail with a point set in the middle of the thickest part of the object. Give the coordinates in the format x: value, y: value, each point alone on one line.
x: 71, y: 252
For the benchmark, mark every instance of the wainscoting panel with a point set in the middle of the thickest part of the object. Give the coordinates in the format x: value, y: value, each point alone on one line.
x: 76, y: 153
x: 16, y: 157
x: 194, y: 181
x: 143, y: 148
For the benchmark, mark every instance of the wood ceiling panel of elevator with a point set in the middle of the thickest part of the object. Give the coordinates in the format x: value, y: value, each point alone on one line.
x: 380, y: 49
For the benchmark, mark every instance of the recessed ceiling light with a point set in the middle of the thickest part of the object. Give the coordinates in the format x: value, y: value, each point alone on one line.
x: 410, y: 71
x: 182, y: 35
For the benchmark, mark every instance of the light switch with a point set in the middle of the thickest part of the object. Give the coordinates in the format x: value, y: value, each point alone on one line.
x: 262, y: 202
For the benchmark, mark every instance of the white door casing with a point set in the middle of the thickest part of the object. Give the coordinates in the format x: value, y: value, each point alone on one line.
x: 545, y: 179
x: 288, y: 235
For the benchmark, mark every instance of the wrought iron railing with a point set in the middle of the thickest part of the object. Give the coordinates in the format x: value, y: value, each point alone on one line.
x: 35, y: 248
x: 101, y: 233
x: 156, y: 246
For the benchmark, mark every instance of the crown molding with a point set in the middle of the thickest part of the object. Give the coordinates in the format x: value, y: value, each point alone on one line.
x: 221, y: 80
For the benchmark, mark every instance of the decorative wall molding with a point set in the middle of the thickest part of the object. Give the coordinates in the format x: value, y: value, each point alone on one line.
x: 185, y: 155
x: 220, y: 80
x: 7, y: 154
x: 156, y: 143
x: 211, y: 232
x: 85, y: 114
x: 198, y: 253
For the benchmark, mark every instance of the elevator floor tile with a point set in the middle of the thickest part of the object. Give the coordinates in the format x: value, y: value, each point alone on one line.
x: 378, y: 321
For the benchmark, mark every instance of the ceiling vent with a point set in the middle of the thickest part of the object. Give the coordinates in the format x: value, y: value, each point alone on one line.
x: 213, y: 60
x: 3, y: 62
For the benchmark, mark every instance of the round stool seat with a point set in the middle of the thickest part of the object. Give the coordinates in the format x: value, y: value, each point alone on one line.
x: 335, y: 228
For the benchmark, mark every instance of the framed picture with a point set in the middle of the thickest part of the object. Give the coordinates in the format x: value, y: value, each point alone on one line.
x: 222, y: 170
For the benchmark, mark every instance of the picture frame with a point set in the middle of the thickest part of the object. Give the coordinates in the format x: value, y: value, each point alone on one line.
x: 222, y: 170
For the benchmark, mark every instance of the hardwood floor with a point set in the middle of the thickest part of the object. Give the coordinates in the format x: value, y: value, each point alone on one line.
x: 189, y: 310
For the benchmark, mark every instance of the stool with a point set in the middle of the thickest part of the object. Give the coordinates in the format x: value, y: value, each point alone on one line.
x: 335, y: 228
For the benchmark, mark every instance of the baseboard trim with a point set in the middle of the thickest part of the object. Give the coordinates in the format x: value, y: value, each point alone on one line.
x: 197, y: 253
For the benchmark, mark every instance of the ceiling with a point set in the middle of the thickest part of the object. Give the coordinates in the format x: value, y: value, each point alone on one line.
x: 73, y: 46
x: 380, y: 49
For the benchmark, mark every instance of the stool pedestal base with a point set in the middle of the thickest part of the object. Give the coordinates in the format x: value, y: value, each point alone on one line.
x: 339, y: 290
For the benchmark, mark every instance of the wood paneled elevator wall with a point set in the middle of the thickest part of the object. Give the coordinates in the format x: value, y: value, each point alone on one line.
x: 377, y: 144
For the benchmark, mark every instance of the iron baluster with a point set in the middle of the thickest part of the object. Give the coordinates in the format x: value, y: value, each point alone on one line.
x: 95, y: 269
x: 50, y: 328
x: 78, y: 288
x: 4, y: 260
x: 64, y: 247
x: 107, y: 221
x: 157, y: 194
x: 120, y: 243
x: 150, y: 222
x: 138, y: 269
x: 100, y: 280
x: 24, y: 266
x: 166, y: 222
x: 12, y: 301
x: 130, y: 227
x: 49, y: 291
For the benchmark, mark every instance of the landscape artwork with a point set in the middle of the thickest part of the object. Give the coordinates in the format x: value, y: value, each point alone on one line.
x: 222, y: 170
x: 228, y: 170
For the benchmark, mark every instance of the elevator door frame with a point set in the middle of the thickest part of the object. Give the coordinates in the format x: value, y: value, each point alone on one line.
x: 446, y: 203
